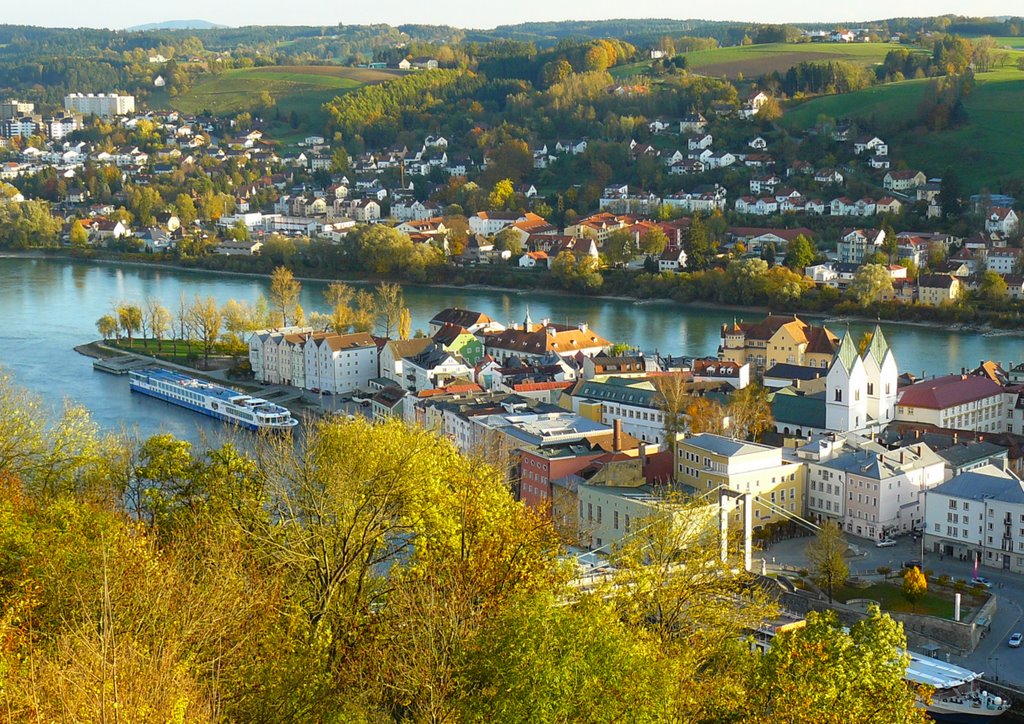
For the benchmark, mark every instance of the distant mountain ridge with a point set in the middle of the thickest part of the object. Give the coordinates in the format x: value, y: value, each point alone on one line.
x: 178, y: 25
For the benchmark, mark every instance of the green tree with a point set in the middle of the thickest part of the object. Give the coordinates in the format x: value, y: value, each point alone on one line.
x: 915, y: 585
x: 697, y: 245
x: 827, y: 556
x: 871, y: 283
x: 186, y: 210
x: 510, y: 240
x: 653, y: 242
x: 800, y: 253
x: 951, y: 194
x: 204, y: 320
x: 620, y: 247
x: 890, y: 243
x: 993, y: 288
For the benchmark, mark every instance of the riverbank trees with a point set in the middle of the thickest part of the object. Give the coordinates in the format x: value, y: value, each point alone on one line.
x: 363, y: 573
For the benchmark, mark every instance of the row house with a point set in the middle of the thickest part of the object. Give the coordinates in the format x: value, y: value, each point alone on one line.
x: 955, y: 402
x: 978, y: 514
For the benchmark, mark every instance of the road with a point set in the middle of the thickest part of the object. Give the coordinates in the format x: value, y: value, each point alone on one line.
x: 992, y: 656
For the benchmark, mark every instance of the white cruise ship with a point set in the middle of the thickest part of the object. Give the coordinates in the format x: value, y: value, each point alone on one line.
x: 222, y: 403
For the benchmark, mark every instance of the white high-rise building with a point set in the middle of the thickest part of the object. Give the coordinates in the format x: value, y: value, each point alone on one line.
x: 99, y: 104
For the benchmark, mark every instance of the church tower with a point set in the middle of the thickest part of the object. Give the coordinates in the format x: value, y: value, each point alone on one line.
x: 846, y: 399
x: 882, y: 374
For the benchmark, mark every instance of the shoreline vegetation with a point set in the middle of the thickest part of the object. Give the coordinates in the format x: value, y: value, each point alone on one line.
x: 353, y: 277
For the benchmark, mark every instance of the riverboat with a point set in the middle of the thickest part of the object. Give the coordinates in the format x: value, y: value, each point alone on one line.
x: 222, y: 403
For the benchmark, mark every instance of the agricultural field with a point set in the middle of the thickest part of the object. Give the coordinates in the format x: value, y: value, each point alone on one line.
x: 987, y: 150
x: 299, y: 88
x: 756, y: 60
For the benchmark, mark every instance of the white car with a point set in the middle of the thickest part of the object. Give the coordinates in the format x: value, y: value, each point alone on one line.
x: 983, y: 582
x: 1014, y: 640
x: 885, y: 543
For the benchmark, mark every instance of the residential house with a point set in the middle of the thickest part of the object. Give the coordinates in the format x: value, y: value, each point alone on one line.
x: 775, y: 339
x: 903, y: 180
x: 937, y: 289
x: 1003, y: 221
x: 855, y: 245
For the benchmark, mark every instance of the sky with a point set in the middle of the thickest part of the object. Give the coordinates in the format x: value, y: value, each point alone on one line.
x: 126, y: 13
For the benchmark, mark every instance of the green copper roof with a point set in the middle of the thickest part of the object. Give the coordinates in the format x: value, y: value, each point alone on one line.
x: 879, y: 345
x: 847, y: 351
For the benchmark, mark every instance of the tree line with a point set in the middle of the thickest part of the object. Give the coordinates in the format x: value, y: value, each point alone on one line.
x: 372, y: 573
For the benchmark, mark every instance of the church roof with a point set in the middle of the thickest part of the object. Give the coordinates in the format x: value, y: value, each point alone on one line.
x: 847, y: 354
x: 879, y: 346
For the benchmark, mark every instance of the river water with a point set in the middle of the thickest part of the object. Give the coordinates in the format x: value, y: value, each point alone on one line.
x: 49, y: 306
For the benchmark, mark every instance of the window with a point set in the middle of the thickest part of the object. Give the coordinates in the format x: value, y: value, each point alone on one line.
x: 839, y: 395
x: 616, y: 522
x: 590, y: 511
x: 599, y: 514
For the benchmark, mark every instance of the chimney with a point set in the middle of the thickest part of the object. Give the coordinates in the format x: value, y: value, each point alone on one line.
x: 955, y: 438
x: 643, y: 459
x: 901, y: 457
x: 617, y: 435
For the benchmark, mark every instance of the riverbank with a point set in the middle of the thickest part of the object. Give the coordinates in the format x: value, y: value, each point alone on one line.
x: 758, y: 310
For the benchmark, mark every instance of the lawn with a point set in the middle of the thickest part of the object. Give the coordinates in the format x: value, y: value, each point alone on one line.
x: 988, y: 149
x: 178, y: 351
x: 937, y: 602
x: 756, y: 60
x: 300, y: 88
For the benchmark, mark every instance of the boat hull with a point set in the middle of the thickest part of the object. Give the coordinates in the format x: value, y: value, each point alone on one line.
x: 965, y: 717
x: 195, y: 408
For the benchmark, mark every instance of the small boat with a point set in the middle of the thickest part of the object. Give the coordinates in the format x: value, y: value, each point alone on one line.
x: 222, y: 403
x: 957, y: 697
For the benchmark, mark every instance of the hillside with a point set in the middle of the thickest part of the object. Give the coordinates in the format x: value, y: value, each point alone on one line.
x: 177, y: 25
x: 299, y: 88
x: 990, y: 146
x: 756, y: 60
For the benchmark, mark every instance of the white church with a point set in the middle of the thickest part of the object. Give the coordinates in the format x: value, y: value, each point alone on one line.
x: 860, y: 389
x: 857, y: 395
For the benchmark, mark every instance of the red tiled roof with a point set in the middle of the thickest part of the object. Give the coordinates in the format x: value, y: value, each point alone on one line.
x: 949, y: 391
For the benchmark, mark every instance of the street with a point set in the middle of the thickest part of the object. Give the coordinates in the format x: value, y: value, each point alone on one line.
x: 992, y: 656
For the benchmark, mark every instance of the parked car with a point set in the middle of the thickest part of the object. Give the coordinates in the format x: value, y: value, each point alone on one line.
x: 912, y: 563
x: 885, y: 543
x: 983, y: 582
x: 1015, y: 640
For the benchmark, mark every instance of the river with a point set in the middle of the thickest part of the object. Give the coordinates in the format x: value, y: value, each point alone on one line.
x: 48, y: 306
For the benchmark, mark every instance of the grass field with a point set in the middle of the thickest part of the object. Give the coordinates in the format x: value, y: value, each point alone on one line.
x: 300, y: 88
x: 987, y: 150
x: 937, y: 602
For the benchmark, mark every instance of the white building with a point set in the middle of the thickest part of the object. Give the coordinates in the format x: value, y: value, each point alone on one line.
x: 861, y: 390
x: 101, y: 104
x: 338, y: 363
x: 978, y: 514
x: 955, y: 402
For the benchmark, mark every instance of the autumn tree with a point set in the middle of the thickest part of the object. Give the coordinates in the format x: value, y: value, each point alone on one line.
x: 129, y: 319
x: 107, y: 326
x: 159, y: 319
x: 204, y: 319
x: 816, y: 673
x: 284, y: 294
x: 705, y: 415
x: 750, y: 412
x: 389, y: 304
x: 78, y: 236
x: 501, y: 195
x: 621, y: 247
x: 915, y: 585
x: 827, y: 556
x: 993, y: 287
x: 653, y: 242
x: 673, y: 399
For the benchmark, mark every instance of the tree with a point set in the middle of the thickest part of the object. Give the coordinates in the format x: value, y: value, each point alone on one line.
x: 816, y: 673
x: 186, y: 210
x: 871, y: 283
x: 827, y: 556
x: 405, y: 323
x: 890, y: 242
x: 769, y: 111
x: 750, y: 412
x: 653, y: 242
x: 79, y: 237
x: 993, y: 288
x: 800, y: 253
x: 951, y: 193
x: 129, y: 318
x: 915, y: 585
x: 389, y: 304
x: 510, y: 240
x: 159, y: 319
x: 673, y: 398
x: 697, y: 245
x: 501, y: 195
x: 768, y: 253
x: 620, y: 247
x: 705, y: 415
x: 204, y: 319
x: 284, y: 294
x: 339, y: 161
x: 107, y: 326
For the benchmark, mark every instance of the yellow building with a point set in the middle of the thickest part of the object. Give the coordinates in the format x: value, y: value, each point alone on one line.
x: 777, y: 339
x: 706, y: 462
